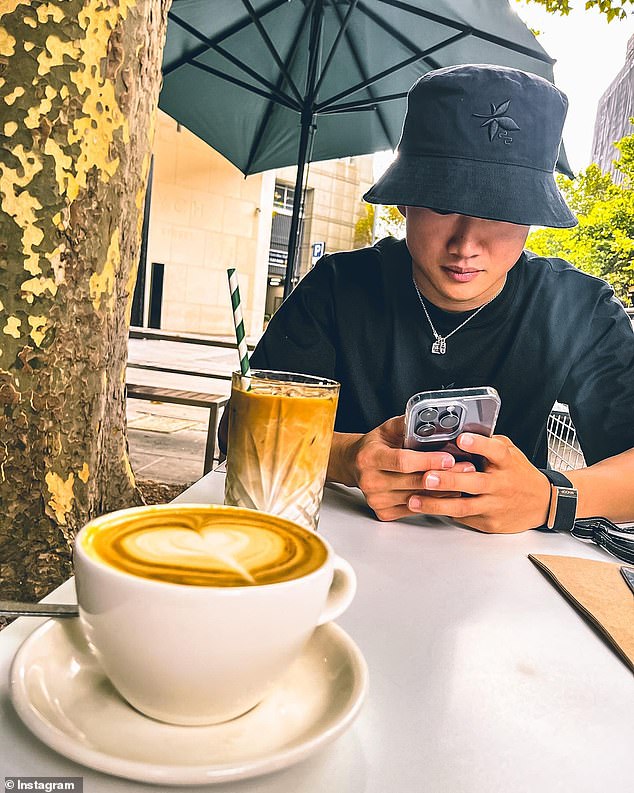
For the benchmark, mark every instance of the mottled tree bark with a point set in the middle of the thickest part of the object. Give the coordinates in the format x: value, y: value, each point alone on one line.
x: 79, y: 83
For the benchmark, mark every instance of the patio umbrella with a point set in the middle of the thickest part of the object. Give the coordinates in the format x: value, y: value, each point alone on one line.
x: 271, y: 83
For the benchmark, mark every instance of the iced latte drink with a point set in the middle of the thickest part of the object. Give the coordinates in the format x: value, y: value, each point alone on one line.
x: 280, y: 432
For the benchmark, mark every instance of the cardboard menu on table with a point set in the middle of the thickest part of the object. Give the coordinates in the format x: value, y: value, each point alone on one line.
x: 600, y: 592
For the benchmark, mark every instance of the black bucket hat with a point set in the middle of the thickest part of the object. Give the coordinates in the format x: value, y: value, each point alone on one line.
x: 481, y: 141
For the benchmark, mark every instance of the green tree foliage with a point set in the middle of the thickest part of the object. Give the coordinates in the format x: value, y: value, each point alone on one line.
x: 603, y: 242
x: 388, y: 221
x: 613, y: 9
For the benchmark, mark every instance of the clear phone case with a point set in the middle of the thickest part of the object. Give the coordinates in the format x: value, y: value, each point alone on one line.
x: 434, y: 419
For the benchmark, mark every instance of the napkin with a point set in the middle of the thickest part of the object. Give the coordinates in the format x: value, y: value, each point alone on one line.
x: 600, y: 592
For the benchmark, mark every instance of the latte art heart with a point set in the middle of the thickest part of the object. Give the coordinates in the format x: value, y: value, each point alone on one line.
x: 214, y: 549
x: 196, y: 549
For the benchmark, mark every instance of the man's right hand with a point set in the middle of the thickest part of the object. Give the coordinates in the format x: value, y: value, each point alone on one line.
x: 386, y: 473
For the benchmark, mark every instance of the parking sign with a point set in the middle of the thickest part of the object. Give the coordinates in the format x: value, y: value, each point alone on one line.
x: 318, y: 249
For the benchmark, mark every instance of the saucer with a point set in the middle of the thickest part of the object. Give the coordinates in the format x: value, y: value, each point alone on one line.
x: 63, y: 697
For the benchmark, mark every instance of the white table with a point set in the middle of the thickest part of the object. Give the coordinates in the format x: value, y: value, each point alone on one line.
x: 482, y: 677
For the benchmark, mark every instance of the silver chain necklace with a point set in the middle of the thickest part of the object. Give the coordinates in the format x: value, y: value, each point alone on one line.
x: 439, y: 347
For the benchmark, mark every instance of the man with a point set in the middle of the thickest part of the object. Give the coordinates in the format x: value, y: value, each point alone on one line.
x: 474, y: 171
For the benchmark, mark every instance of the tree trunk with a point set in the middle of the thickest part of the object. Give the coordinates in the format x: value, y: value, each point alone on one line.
x: 79, y: 83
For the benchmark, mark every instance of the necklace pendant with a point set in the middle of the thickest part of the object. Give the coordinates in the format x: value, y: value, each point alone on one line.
x: 439, y: 347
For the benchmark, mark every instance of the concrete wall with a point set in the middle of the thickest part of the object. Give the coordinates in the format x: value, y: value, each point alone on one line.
x: 334, y: 203
x: 205, y: 216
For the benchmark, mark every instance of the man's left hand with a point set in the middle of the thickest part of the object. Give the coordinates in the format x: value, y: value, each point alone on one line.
x: 509, y: 496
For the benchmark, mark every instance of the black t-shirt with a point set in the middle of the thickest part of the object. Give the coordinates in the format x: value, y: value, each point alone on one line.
x: 553, y: 334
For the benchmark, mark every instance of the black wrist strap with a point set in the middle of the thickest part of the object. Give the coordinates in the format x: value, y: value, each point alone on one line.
x: 563, y: 501
x: 617, y: 540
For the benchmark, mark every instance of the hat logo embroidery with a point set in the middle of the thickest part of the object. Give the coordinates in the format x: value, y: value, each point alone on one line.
x: 499, y: 124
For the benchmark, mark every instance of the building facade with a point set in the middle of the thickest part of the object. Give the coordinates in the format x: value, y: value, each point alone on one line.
x: 205, y: 216
x: 614, y: 111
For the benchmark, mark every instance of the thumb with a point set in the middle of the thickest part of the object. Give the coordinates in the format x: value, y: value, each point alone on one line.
x: 394, y: 429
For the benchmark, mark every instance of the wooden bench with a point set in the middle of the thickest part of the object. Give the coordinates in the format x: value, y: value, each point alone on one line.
x: 176, y: 396
x: 150, y: 367
x: 185, y: 338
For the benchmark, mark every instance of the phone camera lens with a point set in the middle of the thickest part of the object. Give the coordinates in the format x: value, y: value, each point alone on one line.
x: 425, y: 430
x: 449, y: 420
x: 429, y: 415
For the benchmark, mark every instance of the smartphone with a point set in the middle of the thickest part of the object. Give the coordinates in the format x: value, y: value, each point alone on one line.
x: 434, y: 419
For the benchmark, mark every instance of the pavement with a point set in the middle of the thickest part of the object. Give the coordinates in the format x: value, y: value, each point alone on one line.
x: 167, y: 442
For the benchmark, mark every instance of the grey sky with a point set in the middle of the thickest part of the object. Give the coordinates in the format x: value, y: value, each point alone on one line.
x: 589, y: 52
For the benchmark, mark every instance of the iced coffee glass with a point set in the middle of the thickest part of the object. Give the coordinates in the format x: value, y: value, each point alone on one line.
x: 280, y: 432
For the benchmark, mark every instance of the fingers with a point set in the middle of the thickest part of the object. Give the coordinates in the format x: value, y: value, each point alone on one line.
x: 393, y: 512
x: 390, y: 480
x: 459, y: 508
x: 374, y: 478
x: 408, y: 461
x: 401, y: 482
x: 463, y: 467
x: 472, y: 511
x: 472, y: 483
x: 480, y: 512
x: 495, y: 449
x: 386, y: 509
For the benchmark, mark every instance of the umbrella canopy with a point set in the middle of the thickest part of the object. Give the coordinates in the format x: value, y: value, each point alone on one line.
x: 271, y: 83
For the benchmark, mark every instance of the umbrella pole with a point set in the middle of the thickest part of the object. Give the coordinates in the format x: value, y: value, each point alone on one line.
x: 293, y: 237
x: 307, y: 130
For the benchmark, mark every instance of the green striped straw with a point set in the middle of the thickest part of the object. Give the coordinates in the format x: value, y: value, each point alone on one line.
x: 238, y: 322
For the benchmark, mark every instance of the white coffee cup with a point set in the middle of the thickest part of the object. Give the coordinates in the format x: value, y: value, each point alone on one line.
x: 188, y: 653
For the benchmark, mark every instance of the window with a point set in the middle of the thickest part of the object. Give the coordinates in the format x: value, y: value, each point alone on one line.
x: 283, y: 201
x: 284, y: 197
